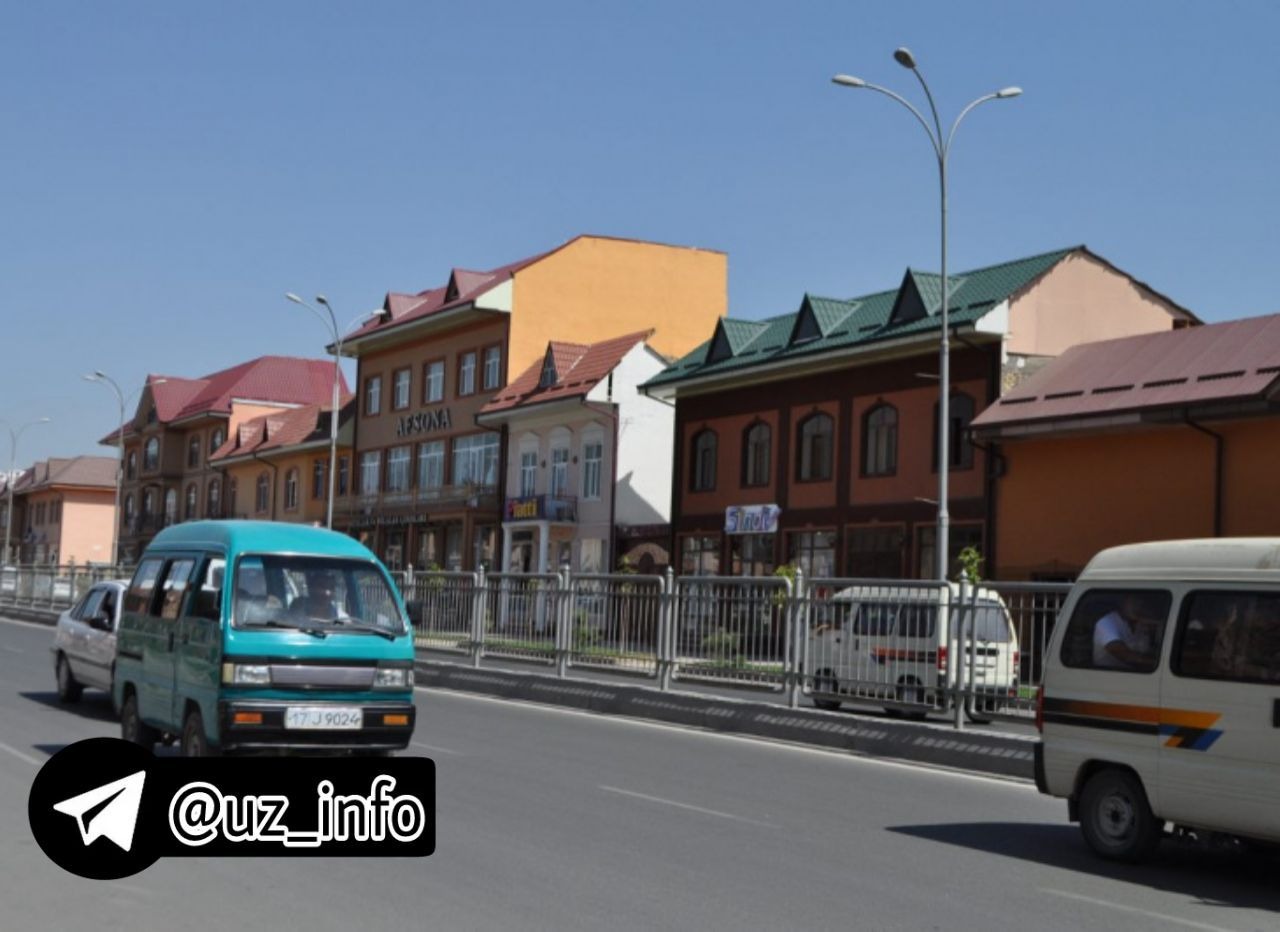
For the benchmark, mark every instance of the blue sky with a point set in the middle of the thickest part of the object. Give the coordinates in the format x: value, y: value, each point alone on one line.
x: 168, y: 170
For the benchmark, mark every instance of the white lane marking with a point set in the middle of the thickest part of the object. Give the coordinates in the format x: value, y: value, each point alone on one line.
x: 680, y: 805
x: 1162, y: 917
x: 19, y: 754
x: 434, y: 748
x: 1012, y: 783
x: 12, y: 650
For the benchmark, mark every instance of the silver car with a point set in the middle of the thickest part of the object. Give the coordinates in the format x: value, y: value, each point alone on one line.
x: 84, y: 645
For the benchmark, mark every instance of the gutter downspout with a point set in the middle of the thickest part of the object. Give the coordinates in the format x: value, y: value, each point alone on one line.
x: 1217, y: 470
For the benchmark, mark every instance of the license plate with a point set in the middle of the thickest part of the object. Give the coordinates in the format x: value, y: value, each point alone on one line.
x: 342, y: 718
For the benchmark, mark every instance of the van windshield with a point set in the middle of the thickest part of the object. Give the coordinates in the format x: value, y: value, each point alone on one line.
x: 313, y: 593
x: 988, y: 623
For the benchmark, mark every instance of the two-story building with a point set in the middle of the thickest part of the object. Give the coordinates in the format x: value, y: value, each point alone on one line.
x: 428, y: 479
x: 180, y: 423
x: 588, y: 458
x: 64, y: 511
x: 811, y: 437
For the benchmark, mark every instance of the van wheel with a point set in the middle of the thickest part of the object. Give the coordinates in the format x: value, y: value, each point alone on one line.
x: 69, y: 689
x: 194, y: 742
x: 824, y: 682
x: 1116, y: 819
x: 132, y: 728
x: 973, y: 715
x: 909, y: 690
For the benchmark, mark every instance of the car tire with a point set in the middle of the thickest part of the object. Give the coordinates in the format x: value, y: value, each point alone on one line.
x: 978, y: 718
x: 825, y: 682
x: 1116, y: 819
x: 909, y: 690
x: 132, y: 728
x: 69, y: 688
x: 194, y: 741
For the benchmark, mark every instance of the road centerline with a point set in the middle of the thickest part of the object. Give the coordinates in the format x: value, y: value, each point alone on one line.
x: 1161, y: 917
x: 686, y: 806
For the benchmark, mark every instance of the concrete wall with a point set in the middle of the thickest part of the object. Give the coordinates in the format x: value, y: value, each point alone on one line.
x: 646, y: 429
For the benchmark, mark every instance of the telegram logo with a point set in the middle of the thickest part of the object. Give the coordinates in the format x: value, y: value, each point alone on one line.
x: 110, y: 810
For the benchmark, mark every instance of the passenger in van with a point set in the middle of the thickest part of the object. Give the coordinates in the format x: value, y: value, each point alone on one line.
x: 1247, y: 645
x: 1123, y: 638
x: 321, y: 601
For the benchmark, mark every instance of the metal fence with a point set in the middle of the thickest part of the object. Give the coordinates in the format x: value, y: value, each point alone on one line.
x: 53, y: 587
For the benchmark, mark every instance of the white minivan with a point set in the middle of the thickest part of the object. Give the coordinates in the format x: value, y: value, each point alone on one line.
x: 1161, y: 695
x: 884, y: 642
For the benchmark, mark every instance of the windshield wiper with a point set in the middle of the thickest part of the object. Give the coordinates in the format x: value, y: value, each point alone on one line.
x: 371, y: 629
x: 305, y: 629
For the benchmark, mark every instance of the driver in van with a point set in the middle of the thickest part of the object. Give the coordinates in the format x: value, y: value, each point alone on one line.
x: 1122, y: 638
x: 321, y: 601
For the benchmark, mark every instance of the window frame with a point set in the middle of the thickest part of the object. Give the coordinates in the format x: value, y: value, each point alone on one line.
x: 291, y: 482
x: 865, y: 465
x: 747, y: 480
x: 496, y: 349
x: 372, y: 396
x: 958, y: 443
x: 695, y: 461
x: 463, y: 358
x: 396, y: 374
x: 815, y: 417
x: 427, y: 397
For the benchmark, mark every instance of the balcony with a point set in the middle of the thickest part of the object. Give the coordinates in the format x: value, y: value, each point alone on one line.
x: 561, y: 508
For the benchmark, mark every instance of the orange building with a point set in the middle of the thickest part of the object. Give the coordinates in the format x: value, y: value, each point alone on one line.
x: 275, y: 467
x: 1155, y: 437
x: 428, y: 482
x: 64, y: 511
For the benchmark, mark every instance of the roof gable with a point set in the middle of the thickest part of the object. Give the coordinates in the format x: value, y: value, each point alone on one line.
x: 579, y: 368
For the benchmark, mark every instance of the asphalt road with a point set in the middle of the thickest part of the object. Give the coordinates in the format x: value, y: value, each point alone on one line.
x: 553, y: 819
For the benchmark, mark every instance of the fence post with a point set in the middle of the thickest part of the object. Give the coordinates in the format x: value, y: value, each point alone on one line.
x: 666, y: 626
x: 956, y: 618
x: 563, y: 620
x: 478, y: 594
x: 793, y: 670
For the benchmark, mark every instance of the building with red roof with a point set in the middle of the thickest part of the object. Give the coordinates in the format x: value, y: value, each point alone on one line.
x: 588, y: 459
x: 1151, y: 437
x: 180, y: 422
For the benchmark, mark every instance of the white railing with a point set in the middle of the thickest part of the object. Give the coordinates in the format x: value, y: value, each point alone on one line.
x: 52, y: 587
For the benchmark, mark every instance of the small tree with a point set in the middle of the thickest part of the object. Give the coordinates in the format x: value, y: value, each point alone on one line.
x: 970, y: 564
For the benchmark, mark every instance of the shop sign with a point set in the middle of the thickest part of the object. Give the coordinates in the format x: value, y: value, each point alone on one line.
x: 523, y: 509
x: 424, y: 422
x: 751, y: 519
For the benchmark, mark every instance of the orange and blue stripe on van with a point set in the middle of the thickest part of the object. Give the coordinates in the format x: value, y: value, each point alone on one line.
x: 1180, y: 728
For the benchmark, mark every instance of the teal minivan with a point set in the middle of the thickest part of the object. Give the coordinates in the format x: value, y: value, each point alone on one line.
x: 259, y: 636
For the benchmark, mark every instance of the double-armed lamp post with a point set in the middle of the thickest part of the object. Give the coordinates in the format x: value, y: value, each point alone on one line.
x: 942, y: 149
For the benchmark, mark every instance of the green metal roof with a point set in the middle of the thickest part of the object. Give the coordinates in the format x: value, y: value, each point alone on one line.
x: 857, y: 323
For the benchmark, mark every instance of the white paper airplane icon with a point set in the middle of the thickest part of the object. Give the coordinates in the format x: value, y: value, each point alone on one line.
x: 110, y: 810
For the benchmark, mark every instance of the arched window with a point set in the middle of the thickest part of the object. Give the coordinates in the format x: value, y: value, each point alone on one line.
x: 231, y: 497
x: 262, y: 500
x: 291, y: 489
x: 131, y: 465
x: 189, y: 503
x: 757, y: 443
x: 213, y: 502
x: 128, y: 509
x: 880, y: 441
x: 813, y: 457
x: 702, y: 472
x: 148, y: 503
x: 960, y: 450
x: 216, y: 439
x: 170, y: 506
x: 151, y: 454
x: 193, y: 453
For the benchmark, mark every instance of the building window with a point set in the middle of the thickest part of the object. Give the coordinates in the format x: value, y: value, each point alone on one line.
x: 128, y: 508
x: 876, y: 552
x: 751, y: 554
x: 528, y: 473
x: 291, y: 490
x: 232, y: 488
x: 398, y: 469
x: 131, y: 465
x: 548, y: 376
x: 151, y: 454
x: 433, y: 381
x: 880, y: 441
x: 317, y: 478
x: 757, y: 442
x: 560, y: 472
x: 373, y: 396
x: 151, y: 415
x: 189, y: 503
x: 148, y: 503
x: 400, y: 386
x: 262, y: 500
x: 702, y: 470
x: 959, y: 448
x: 592, y: 466
x: 431, y: 464
x: 475, y: 459
x: 170, y: 506
x: 370, y: 472
x: 213, y: 503
x: 344, y: 478
x: 216, y: 439
x: 700, y: 555
x: 492, y: 367
x: 813, y: 460
x: 467, y: 374
x: 193, y: 453
x: 958, y: 537
x: 814, y: 552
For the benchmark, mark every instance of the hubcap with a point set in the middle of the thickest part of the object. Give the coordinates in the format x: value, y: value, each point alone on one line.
x: 1116, y: 818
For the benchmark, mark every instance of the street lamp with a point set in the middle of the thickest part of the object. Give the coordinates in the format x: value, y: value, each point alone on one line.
x: 103, y: 379
x: 941, y: 149
x: 330, y: 321
x: 14, y: 434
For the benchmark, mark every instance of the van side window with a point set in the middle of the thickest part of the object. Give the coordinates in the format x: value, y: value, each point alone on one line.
x: 143, y: 586
x: 1229, y: 635
x: 1117, y: 629
x: 206, y: 602
x: 175, y: 587
x: 916, y: 620
x: 875, y: 619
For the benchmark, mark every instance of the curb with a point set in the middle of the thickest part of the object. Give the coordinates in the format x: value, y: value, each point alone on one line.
x: 939, y: 745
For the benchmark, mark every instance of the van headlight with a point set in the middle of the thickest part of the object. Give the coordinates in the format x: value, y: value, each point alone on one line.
x: 246, y: 674
x: 393, y: 678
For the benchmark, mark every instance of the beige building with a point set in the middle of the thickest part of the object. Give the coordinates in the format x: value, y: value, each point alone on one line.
x: 64, y: 511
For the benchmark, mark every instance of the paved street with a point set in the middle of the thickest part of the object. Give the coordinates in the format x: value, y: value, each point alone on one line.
x: 551, y: 819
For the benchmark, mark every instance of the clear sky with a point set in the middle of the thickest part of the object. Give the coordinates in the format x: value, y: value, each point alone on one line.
x: 169, y: 170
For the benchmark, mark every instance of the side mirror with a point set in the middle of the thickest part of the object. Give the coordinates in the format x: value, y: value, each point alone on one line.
x: 100, y: 621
